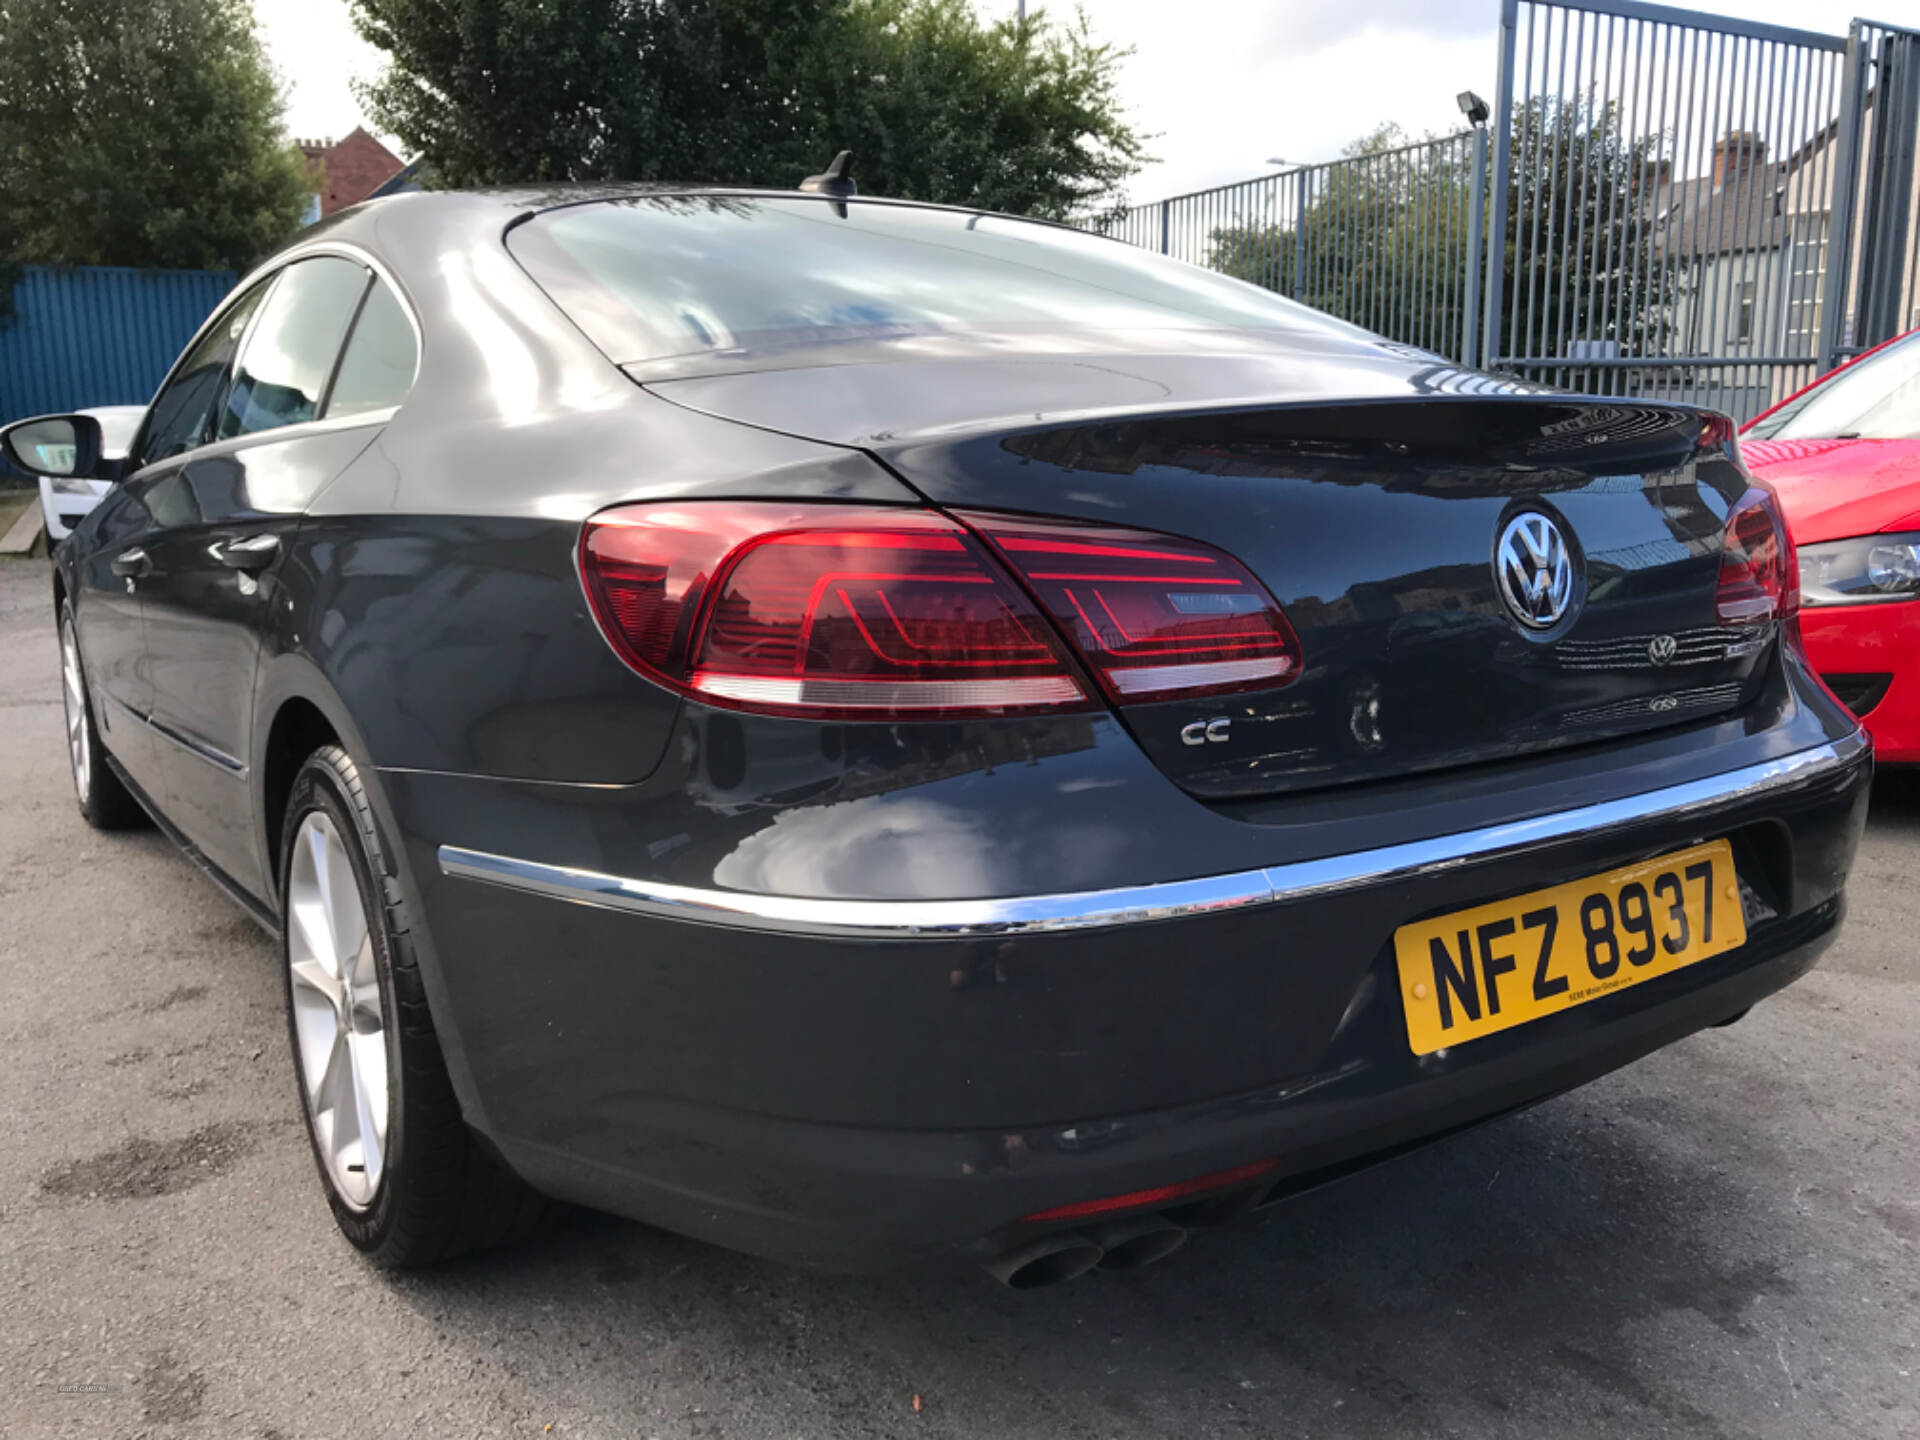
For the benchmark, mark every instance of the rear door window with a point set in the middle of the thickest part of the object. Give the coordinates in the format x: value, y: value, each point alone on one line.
x: 282, y: 373
x: 377, y: 368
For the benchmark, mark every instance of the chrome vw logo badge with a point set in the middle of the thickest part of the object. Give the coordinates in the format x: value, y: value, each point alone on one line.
x: 1662, y: 648
x: 1534, y: 569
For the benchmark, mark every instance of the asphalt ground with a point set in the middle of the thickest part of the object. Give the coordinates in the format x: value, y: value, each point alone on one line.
x: 1722, y: 1240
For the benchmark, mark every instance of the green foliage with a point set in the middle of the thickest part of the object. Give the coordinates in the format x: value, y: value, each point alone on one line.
x: 1586, y: 196
x: 1383, y: 234
x: 935, y: 104
x: 141, y: 132
x: 1384, y: 241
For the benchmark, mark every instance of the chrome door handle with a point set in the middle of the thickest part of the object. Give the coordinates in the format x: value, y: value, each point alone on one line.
x: 131, y: 562
x: 251, y: 553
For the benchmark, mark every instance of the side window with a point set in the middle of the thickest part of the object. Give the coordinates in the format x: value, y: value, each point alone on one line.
x: 291, y: 351
x: 378, y: 367
x: 183, y: 411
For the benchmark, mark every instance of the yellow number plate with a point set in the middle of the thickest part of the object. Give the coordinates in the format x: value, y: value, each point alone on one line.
x: 1477, y: 971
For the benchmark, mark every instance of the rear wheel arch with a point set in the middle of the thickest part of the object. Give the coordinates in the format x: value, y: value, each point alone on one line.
x: 422, y: 1186
x: 296, y: 712
x: 297, y: 730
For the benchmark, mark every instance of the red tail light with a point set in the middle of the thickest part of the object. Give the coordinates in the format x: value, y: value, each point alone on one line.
x: 826, y: 610
x: 1759, y: 572
x: 1155, y: 617
x: 1718, y: 432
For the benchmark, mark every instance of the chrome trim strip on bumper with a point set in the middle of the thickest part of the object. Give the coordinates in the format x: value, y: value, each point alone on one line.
x: 1136, y: 904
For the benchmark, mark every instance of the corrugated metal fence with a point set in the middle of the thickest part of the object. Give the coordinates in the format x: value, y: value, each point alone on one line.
x: 98, y: 336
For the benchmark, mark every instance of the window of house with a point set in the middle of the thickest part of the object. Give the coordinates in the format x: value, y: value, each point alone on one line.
x: 1806, y: 282
x: 1743, y: 313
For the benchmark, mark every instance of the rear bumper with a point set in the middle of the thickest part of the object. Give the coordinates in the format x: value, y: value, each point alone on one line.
x: 849, y: 1199
x: 852, y: 1083
x: 1874, y: 640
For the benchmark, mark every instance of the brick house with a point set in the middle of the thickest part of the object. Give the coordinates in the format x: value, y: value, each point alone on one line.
x: 350, y: 170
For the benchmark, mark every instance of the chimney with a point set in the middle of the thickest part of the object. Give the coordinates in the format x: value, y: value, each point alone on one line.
x: 1735, y: 153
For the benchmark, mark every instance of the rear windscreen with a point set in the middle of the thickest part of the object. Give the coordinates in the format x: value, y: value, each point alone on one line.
x: 717, y: 279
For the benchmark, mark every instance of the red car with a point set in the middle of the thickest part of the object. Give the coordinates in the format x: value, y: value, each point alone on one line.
x: 1844, y: 457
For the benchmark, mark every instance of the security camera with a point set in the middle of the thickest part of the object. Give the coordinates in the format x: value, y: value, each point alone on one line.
x: 1473, y: 107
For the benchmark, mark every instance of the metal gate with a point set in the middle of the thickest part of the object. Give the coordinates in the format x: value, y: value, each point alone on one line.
x: 1664, y: 181
x: 1873, y: 260
x: 1676, y: 205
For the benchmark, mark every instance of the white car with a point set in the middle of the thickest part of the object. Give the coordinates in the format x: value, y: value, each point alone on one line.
x: 65, y: 502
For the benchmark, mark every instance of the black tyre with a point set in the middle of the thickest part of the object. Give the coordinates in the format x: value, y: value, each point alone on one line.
x: 105, y: 803
x: 406, y: 1179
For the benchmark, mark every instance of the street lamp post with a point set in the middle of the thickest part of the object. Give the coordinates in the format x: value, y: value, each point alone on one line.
x: 1476, y: 111
x: 1298, y: 170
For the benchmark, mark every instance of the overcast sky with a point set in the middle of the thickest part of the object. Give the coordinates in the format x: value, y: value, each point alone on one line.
x: 1222, y: 84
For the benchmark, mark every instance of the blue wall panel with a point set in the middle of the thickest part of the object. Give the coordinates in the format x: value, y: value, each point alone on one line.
x: 98, y: 336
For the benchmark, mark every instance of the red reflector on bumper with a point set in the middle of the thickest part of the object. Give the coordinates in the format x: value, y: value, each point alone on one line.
x: 1159, y: 1195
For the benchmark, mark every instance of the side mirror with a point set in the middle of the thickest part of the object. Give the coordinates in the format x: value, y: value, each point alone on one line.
x: 63, y: 446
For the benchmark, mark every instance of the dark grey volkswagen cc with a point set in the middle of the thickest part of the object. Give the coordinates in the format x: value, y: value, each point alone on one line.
x: 868, y: 732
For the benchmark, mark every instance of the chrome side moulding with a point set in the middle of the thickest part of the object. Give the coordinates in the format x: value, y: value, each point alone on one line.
x: 1138, y: 904
x: 199, y: 749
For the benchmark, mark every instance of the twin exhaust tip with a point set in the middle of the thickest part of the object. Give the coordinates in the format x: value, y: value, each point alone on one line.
x: 1120, y: 1245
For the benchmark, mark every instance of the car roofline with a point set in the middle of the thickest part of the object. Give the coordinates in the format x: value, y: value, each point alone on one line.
x: 649, y: 191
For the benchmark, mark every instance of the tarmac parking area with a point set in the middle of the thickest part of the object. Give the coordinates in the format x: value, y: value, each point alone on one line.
x: 1722, y: 1240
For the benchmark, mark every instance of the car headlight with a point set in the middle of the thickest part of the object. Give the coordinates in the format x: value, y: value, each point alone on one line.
x: 67, y: 485
x: 1861, y: 571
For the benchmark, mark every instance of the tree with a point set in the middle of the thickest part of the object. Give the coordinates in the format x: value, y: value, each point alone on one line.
x: 1380, y: 240
x: 935, y: 104
x: 1582, y: 206
x: 141, y: 132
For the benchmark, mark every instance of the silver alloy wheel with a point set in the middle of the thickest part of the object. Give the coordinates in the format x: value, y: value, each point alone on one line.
x: 339, y: 1020
x: 74, y: 692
